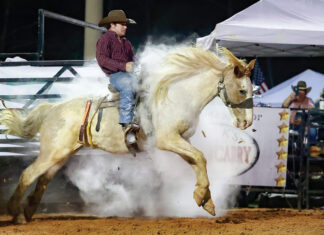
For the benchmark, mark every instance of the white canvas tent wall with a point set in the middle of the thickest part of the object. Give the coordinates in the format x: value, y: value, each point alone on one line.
x: 272, y: 28
x: 275, y: 96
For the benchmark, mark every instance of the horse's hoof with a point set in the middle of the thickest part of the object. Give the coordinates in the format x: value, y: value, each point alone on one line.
x: 19, y: 219
x: 28, y: 214
x: 209, y: 207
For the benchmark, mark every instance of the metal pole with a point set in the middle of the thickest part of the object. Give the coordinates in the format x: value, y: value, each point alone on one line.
x: 41, y: 26
x: 72, y: 20
x: 306, y: 152
x: 301, y: 140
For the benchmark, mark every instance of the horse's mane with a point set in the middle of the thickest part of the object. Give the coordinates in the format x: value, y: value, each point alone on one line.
x: 186, y: 64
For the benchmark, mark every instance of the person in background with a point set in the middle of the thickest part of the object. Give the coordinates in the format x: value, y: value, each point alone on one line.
x: 298, y: 100
x: 115, y: 57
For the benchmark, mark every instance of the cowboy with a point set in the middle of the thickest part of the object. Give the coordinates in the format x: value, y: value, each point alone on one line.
x: 115, y: 57
x: 298, y: 100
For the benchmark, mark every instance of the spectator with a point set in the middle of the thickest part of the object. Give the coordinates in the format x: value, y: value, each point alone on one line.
x: 298, y: 99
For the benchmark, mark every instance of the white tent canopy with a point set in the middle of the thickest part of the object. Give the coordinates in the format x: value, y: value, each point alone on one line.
x: 272, y: 28
x: 275, y: 96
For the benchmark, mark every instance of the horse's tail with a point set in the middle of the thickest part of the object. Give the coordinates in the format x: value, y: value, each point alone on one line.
x: 24, y: 127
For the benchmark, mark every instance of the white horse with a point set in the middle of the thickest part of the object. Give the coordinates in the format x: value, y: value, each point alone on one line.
x: 187, y: 82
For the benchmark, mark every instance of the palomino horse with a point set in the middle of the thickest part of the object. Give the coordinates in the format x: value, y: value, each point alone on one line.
x: 187, y: 82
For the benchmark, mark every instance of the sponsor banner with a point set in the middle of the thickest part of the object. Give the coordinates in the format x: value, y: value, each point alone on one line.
x: 270, y: 130
x: 256, y: 156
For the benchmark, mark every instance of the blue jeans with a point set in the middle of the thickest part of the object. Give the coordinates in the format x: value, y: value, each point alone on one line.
x: 125, y: 83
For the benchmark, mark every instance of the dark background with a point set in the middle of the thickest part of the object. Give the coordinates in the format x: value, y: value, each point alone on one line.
x: 158, y: 20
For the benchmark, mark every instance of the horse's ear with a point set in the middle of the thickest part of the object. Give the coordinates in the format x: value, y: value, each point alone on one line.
x: 251, y: 64
x: 238, y: 72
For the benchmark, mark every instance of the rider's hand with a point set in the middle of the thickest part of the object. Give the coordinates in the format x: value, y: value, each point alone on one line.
x: 129, y: 67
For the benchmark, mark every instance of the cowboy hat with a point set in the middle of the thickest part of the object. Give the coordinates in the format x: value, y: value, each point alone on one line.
x: 115, y: 16
x: 301, y: 85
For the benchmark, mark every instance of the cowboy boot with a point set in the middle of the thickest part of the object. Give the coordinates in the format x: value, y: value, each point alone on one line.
x: 130, y: 131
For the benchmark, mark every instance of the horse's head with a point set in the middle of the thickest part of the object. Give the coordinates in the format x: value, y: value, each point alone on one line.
x: 235, y: 89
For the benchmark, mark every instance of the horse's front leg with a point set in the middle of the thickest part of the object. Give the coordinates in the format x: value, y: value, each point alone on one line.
x: 175, y: 143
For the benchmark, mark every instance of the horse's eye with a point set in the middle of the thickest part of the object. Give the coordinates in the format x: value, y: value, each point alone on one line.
x: 243, y: 92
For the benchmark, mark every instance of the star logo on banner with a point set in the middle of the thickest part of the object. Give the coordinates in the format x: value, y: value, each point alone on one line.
x: 283, y: 128
x: 280, y: 181
x: 282, y: 141
x: 281, y: 168
x: 284, y: 115
x: 282, y: 155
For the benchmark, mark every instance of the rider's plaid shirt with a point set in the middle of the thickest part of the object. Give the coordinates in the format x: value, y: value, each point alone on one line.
x: 112, y: 54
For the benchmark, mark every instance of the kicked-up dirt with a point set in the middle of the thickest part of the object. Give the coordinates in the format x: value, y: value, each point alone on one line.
x: 237, y: 221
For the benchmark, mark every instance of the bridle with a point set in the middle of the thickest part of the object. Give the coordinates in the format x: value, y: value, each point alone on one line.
x: 247, y: 103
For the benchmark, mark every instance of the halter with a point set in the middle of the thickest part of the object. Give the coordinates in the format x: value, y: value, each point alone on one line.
x: 248, y: 103
x: 221, y: 86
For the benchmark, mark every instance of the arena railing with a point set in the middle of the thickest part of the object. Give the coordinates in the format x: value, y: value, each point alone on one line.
x: 16, y: 146
x: 31, y: 98
x: 42, y: 15
x: 41, y: 25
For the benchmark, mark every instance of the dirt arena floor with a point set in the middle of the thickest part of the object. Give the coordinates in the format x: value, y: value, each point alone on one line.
x: 238, y: 221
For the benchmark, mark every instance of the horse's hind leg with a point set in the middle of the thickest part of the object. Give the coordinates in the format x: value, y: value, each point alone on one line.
x: 45, y: 161
x: 175, y: 143
x: 35, y: 197
x: 29, y: 175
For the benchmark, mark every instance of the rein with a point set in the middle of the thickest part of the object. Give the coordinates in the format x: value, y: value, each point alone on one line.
x: 248, y: 103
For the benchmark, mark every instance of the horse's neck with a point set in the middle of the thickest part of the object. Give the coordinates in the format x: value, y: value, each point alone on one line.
x: 191, y: 95
x: 202, y: 89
